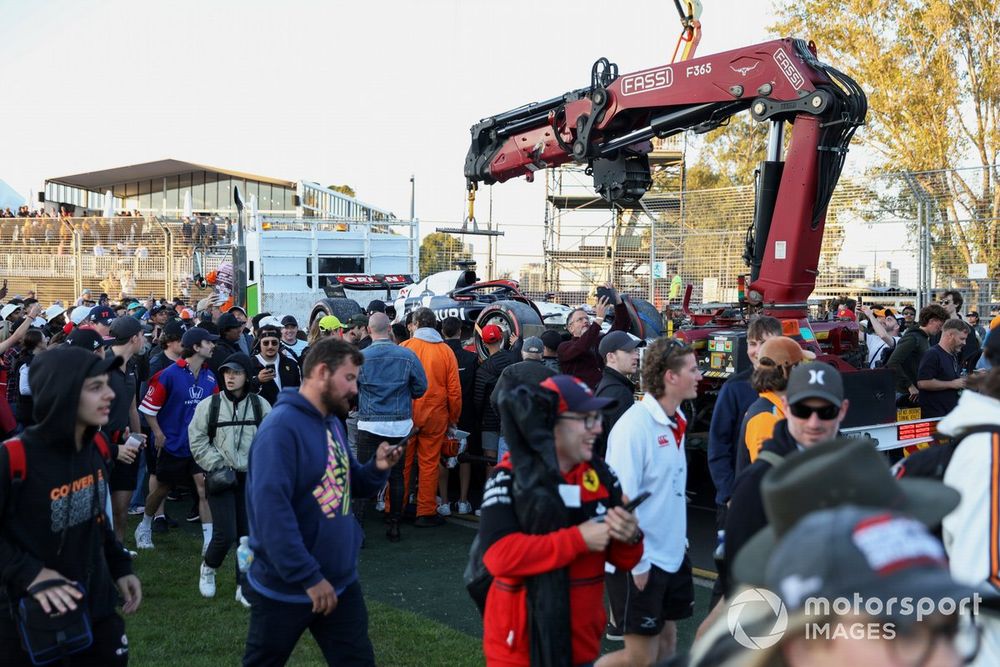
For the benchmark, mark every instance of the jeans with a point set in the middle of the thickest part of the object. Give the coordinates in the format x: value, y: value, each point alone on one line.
x: 367, y: 446
x: 275, y: 629
x: 142, y: 485
x: 229, y: 522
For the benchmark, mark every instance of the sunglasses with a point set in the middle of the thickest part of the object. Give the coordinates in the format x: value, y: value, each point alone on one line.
x: 803, y: 411
x: 269, y: 341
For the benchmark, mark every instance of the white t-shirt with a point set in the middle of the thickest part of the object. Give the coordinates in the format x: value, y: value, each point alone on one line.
x: 875, y: 346
x: 297, y: 348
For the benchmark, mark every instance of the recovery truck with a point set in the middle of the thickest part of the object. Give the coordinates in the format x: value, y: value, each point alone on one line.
x: 608, y: 126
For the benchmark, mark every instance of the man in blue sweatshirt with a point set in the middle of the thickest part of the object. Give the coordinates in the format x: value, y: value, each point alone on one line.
x: 303, y: 534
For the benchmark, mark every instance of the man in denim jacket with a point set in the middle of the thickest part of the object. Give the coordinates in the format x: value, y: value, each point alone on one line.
x: 390, y: 379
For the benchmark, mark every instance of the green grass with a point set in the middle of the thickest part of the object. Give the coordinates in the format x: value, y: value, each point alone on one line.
x: 419, y: 612
x: 176, y: 626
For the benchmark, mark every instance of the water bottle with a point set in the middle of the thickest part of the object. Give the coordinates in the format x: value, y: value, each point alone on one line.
x: 244, y: 554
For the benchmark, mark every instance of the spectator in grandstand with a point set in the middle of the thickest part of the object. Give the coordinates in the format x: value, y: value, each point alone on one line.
x: 972, y: 319
x: 391, y: 378
x: 126, y: 342
x: 356, y: 331
x: 73, y: 549
x: 550, y: 355
x: 169, y: 405
x: 776, y: 357
x: 290, y: 336
x: 273, y: 367
x: 881, y: 336
x: 578, y: 356
x: 813, y: 405
x: 433, y: 413
x: 915, y: 341
x: 220, y: 434
x: 646, y: 450
x: 305, y: 541
x: 620, y: 351
x: 952, y: 301
x: 468, y: 363
x: 486, y: 379
x: 940, y: 376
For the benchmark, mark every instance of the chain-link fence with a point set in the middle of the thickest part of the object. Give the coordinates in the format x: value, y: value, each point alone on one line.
x: 896, y: 238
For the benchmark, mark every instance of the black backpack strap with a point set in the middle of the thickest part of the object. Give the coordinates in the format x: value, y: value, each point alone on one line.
x: 213, y: 417
x: 258, y: 416
x: 773, y: 458
x: 979, y: 428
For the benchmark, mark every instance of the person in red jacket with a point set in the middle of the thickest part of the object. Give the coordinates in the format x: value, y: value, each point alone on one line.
x: 512, y: 555
x: 578, y: 356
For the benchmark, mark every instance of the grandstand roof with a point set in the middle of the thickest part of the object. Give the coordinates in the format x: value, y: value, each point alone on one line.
x: 100, y: 180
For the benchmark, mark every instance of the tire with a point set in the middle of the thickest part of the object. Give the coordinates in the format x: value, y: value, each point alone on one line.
x: 510, y: 316
x: 636, y: 325
x: 651, y: 318
x: 340, y: 308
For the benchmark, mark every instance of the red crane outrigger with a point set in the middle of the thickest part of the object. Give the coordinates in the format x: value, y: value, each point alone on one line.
x: 609, y: 126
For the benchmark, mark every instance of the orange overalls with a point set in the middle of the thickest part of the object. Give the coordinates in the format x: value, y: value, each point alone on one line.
x: 433, y: 412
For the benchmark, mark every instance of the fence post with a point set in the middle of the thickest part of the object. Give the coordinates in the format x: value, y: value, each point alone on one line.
x: 924, y: 248
x: 77, y: 263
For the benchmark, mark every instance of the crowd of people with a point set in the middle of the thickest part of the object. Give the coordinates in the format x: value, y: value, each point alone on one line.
x: 285, y: 438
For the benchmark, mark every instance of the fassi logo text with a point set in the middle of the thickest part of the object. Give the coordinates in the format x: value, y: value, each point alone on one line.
x: 647, y: 81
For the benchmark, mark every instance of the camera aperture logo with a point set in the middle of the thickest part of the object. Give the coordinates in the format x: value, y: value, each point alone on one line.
x: 760, y: 605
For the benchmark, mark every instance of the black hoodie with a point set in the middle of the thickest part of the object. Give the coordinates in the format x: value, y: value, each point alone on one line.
x: 54, y: 518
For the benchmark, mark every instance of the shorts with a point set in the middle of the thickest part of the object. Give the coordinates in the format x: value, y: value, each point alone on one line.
x: 124, y: 476
x: 666, y: 597
x: 175, y: 470
x: 491, y: 442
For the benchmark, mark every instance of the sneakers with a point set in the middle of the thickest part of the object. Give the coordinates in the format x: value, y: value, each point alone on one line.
x: 193, y: 516
x: 144, y: 536
x: 392, y: 532
x: 160, y: 524
x: 464, y: 507
x: 239, y: 597
x: 136, y: 510
x: 380, y: 505
x: 444, y: 509
x: 429, y: 521
x: 206, y: 582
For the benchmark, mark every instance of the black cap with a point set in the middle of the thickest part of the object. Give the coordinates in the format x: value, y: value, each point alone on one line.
x: 174, y: 328
x: 376, y: 306
x: 239, y: 362
x: 102, y: 315
x: 228, y: 321
x: 618, y: 340
x: 86, y: 339
x: 196, y: 336
x: 551, y: 339
x: 156, y: 310
x: 123, y: 328
x: 289, y: 321
x: 357, y: 320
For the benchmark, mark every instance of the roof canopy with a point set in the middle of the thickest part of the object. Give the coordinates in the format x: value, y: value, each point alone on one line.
x: 101, y: 180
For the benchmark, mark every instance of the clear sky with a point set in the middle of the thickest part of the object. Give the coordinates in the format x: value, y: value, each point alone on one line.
x: 363, y: 93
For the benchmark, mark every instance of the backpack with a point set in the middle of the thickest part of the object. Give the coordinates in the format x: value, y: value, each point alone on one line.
x: 17, y: 461
x: 213, y: 415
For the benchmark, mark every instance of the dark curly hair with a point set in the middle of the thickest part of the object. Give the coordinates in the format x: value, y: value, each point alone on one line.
x: 664, y: 354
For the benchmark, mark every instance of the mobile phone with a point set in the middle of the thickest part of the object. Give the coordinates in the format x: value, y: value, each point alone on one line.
x: 630, y: 507
x: 270, y: 367
x: 400, y: 442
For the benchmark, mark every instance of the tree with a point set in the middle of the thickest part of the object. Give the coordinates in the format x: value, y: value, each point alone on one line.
x: 932, y: 74
x: 439, y: 252
x: 342, y: 189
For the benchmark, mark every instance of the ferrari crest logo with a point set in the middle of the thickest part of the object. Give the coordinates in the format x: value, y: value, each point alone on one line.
x: 590, y: 481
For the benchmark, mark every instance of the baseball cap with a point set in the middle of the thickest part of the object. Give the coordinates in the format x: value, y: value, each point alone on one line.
x: 533, y: 345
x: 826, y: 476
x: 8, y: 310
x: 618, y: 340
x: 357, y: 320
x: 269, y: 321
x: 884, y: 312
x: 238, y: 362
x: 123, y: 328
x: 873, y: 553
x: 814, y: 380
x: 135, y: 305
x: 79, y: 314
x: 186, y: 314
x: 574, y: 395
x: 995, y: 322
x: 491, y: 333
x: 156, y: 310
x: 196, y: 336
x: 329, y: 323
x: 551, y: 339
x: 87, y: 339
x: 375, y: 306
x: 289, y: 321
x: 102, y: 315
x: 239, y: 308
x: 174, y: 328
x: 228, y: 321
x: 55, y: 310
x: 783, y: 351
